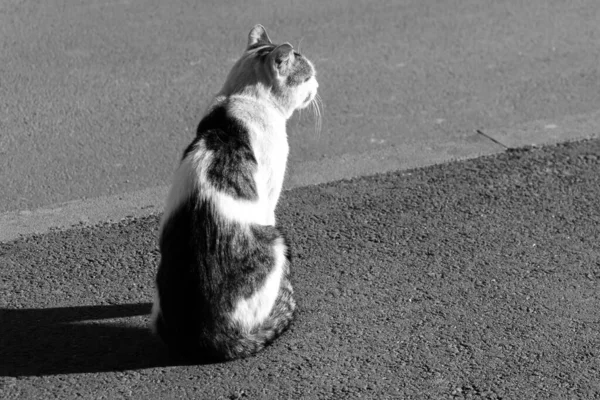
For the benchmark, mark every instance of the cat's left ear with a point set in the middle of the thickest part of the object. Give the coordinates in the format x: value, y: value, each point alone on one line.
x: 258, y: 34
x: 281, y: 59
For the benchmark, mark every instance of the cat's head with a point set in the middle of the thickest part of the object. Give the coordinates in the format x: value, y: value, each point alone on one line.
x: 274, y: 73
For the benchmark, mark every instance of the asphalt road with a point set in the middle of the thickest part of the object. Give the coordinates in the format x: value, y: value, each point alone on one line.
x: 469, y: 280
x: 99, y: 97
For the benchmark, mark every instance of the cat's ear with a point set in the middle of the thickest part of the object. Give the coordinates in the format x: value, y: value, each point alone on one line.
x: 258, y: 34
x: 281, y: 59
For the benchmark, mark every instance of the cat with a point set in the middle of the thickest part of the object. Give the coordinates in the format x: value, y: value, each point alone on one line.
x: 222, y: 287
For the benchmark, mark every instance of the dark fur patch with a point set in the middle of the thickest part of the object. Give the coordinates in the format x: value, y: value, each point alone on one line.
x: 233, y: 164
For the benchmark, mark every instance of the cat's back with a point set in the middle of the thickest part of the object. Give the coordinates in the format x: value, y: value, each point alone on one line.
x: 220, y: 168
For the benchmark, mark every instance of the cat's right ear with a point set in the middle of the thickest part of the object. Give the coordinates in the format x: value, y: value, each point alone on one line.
x: 281, y: 59
x: 258, y: 34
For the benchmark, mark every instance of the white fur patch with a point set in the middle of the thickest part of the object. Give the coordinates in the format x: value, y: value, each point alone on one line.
x: 254, y: 310
x: 240, y: 211
x: 306, y: 90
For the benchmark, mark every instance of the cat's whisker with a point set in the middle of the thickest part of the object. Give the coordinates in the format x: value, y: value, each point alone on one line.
x: 318, y: 117
x: 312, y: 108
x: 320, y: 101
x: 316, y: 109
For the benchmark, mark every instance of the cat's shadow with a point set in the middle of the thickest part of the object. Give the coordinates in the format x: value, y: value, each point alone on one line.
x: 78, y: 339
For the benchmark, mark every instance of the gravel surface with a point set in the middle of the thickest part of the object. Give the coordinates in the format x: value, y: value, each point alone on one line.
x: 470, y: 280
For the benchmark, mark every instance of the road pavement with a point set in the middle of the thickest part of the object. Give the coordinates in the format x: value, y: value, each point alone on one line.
x: 98, y: 97
x: 467, y: 280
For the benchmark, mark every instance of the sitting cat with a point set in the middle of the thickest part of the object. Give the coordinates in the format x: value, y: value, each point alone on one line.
x: 222, y: 287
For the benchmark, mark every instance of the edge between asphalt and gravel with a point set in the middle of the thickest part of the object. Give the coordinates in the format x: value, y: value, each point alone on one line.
x: 483, y: 142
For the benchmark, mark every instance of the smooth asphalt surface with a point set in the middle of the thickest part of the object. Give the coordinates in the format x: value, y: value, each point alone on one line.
x: 98, y: 97
x: 468, y: 280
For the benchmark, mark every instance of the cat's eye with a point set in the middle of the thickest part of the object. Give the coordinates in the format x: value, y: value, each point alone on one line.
x: 307, y: 79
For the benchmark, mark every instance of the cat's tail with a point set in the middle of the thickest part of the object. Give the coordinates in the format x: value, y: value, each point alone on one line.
x: 236, y: 343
